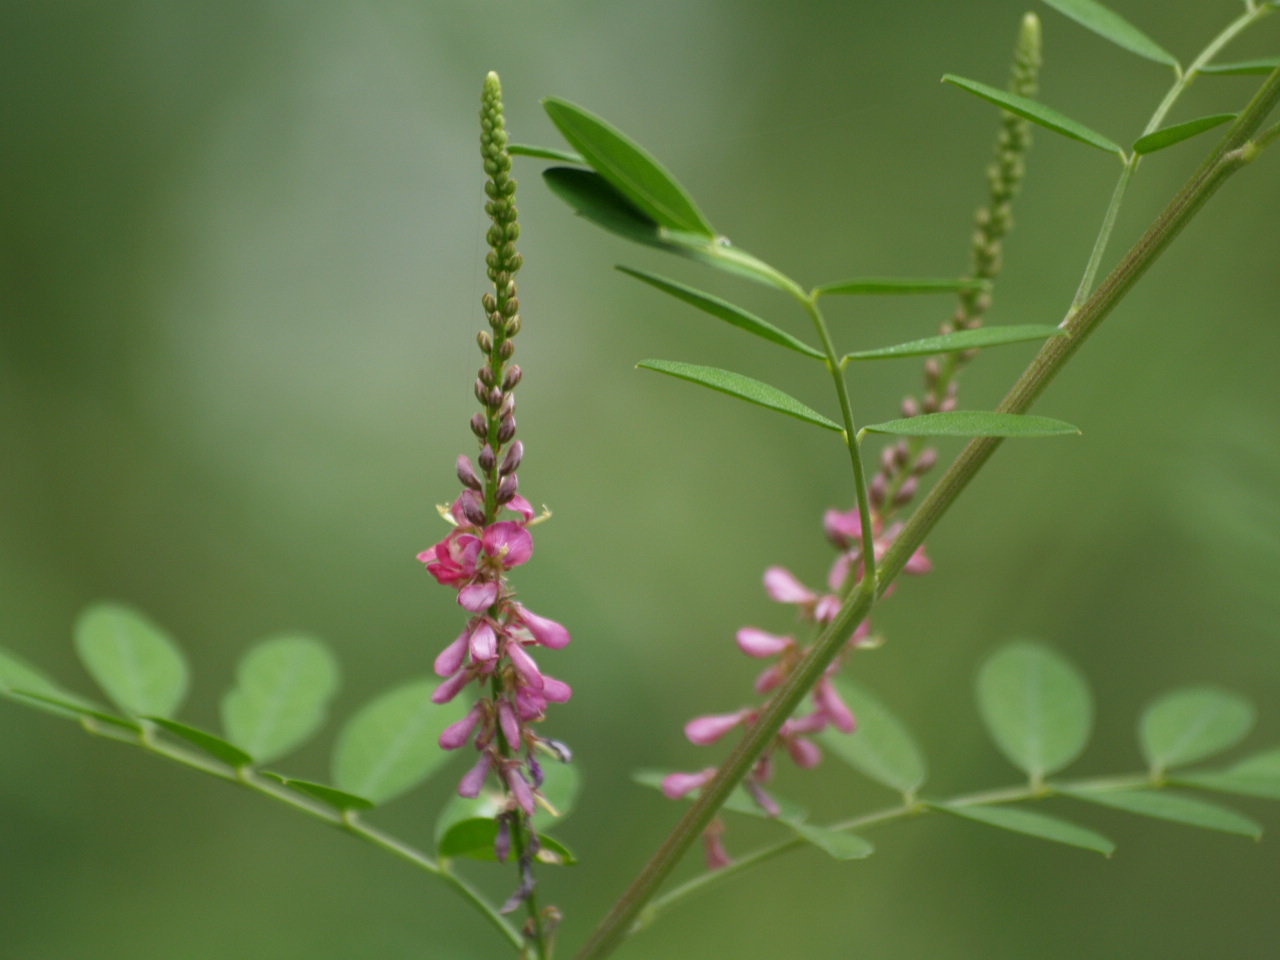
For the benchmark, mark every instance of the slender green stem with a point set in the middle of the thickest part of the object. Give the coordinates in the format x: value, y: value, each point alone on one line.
x: 1181, y: 82
x: 348, y: 823
x: 1233, y: 152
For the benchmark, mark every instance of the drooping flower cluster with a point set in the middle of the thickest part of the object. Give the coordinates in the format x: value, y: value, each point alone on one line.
x: 490, y: 538
x: 827, y: 709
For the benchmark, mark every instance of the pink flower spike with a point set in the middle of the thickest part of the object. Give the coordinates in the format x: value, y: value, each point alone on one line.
x: 520, y: 505
x: 484, y: 642
x: 677, y: 785
x: 530, y: 704
x: 783, y: 587
x: 520, y: 790
x: 510, y: 726
x: 546, y: 632
x: 757, y: 643
x: 524, y: 665
x: 456, y: 735
x: 452, y: 559
x: 769, y: 679
x: 452, y: 657
x: 555, y: 691
x: 919, y: 563
x: 508, y: 541
x: 842, y: 528
x: 473, y: 782
x: 804, y: 753
x: 707, y: 730
x: 451, y: 687
x: 478, y: 597
x: 835, y: 709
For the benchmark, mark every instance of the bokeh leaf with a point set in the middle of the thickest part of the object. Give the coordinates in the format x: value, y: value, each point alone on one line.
x: 561, y: 785
x: 881, y: 747
x: 132, y: 659
x: 391, y: 745
x: 725, y: 311
x: 1036, y: 706
x: 1171, y: 806
x: 834, y: 843
x: 743, y: 388
x: 1188, y: 725
x: 1037, y: 113
x: 16, y: 675
x: 543, y: 153
x: 632, y: 171
x: 1179, y: 132
x: 974, y: 423
x: 282, y: 693
x: 475, y: 838
x: 959, y: 340
x: 888, y: 286
x: 1255, y: 776
x: 1105, y: 23
x: 1033, y: 825
x: 213, y: 745
x: 1243, y: 68
x: 71, y: 705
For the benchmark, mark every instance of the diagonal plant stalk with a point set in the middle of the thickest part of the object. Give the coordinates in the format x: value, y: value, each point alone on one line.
x: 1233, y: 152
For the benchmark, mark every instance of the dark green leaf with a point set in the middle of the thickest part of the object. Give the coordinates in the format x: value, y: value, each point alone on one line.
x: 326, y: 794
x: 475, y: 839
x: 64, y: 704
x: 1036, y: 706
x: 594, y: 199
x: 391, y: 745
x: 1033, y: 825
x: 974, y: 423
x: 881, y: 747
x: 725, y: 311
x: 214, y: 746
x: 834, y: 843
x: 886, y: 286
x: 1037, y: 113
x: 739, y: 800
x: 1094, y: 16
x: 283, y: 688
x: 1188, y: 725
x: 632, y: 171
x: 744, y: 388
x: 960, y: 340
x: 1243, y: 68
x: 17, y: 674
x: 134, y: 662
x: 1179, y: 132
x: 543, y: 153
x: 1171, y: 806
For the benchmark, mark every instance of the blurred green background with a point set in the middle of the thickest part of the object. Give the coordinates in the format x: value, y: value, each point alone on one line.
x: 239, y: 276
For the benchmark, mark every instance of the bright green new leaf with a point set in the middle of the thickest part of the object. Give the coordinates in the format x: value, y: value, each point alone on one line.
x: 739, y: 800
x: 543, y: 153
x: 1243, y: 68
x: 725, y: 311
x: 1037, y: 113
x: 475, y: 838
x: 1188, y: 725
x: 1179, y: 132
x: 71, y: 705
x: 391, y: 745
x: 16, y: 675
x: 1094, y: 16
x: 885, y: 286
x: 1037, y: 707
x: 338, y: 799
x: 1171, y: 806
x: 214, y: 746
x: 881, y: 747
x: 960, y: 340
x: 134, y: 662
x: 744, y: 388
x: 639, y: 177
x: 974, y: 423
x: 1033, y: 825
x: 834, y: 843
x: 282, y: 693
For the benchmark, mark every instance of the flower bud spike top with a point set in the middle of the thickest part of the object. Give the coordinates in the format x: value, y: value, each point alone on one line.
x: 490, y: 537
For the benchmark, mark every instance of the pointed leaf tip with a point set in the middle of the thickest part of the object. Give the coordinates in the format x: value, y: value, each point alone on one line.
x: 1111, y: 26
x: 974, y: 423
x: 1037, y: 113
x: 1174, y: 808
x: 1033, y: 825
x: 743, y: 388
x: 960, y: 340
x: 1179, y: 132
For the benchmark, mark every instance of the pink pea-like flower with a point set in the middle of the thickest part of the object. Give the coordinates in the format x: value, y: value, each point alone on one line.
x: 484, y: 641
x: 456, y: 735
x: 709, y: 729
x: 473, y: 782
x: 782, y: 586
x: 508, y: 542
x: 677, y: 785
x: 804, y: 753
x: 757, y: 643
x: 546, y: 632
x: 453, y: 656
x: 478, y: 597
x: 834, y: 708
x: 453, y: 559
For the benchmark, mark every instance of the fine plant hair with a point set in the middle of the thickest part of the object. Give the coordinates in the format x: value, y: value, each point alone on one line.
x: 489, y: 696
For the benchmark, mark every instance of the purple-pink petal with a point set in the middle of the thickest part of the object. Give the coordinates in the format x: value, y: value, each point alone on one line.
x: 451, y: 687
x: 546, y: 632
x: 484, y: 642
x: 757, y: 643
x: 676, y: 785
x: 706, y: 730
x: 510, y: 726
x: 452, y: 657
x: 530, y: 704
x: 508, y: 541
x: 769, y: 678
x: 520, y: 790
x: 524, y: 665
x: 473, y: 782
x: 919, y: 563
x: 840, y: 570
x: 782, y: 586
x: 825, y: 610
x: 804, y: 753
x: 842, y: 528
x: 521, y: 506
x: 478, y: 597
x: 555, y: 691
x: 457, y: 734
x: 829, y: 702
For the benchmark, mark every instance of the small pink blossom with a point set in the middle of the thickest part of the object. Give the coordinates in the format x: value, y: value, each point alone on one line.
x: 456, y: 735
x: 478, y: 597
x: 520, y: 505
x: 677, y: 785
x: 546, y: 632
x: 520, y: 789
x: 473, y: 782
x: 782, y: 586
x: 451, y: 687
x: 804, y: 753
x: 757, y: 643
x: 484, y: 641
x: 706, y: 730
x: 832, y: 707
x: 510, y: 726
x: 508, y: 542
x: 454, y: 558
x: 555, y: 691
x: 453, y: 656
x: 525, y: 665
